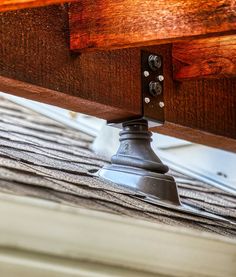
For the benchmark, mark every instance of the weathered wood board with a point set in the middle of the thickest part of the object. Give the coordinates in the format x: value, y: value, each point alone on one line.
x: 7, y: 5
x: 110, y: 24
x: 35, y: 50
x: 36, y: 63
x: 205, y: 58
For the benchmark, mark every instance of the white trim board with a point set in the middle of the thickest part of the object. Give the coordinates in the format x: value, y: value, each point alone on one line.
x: 53, y: 229
x: 29, y: 264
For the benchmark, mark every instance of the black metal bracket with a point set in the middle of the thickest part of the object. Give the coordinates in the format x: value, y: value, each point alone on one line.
x: 152, y: 91
x: 152, y: 80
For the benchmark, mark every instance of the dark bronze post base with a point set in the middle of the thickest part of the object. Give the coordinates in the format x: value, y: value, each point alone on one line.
x: 136, y: 166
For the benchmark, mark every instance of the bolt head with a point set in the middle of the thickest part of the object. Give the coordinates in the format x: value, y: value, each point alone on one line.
x: 154, y: 62
x: 155, y: 88
x: 147, y: 100
x: 160, y: 78
x: 146, y: 73
x: 161, y: 104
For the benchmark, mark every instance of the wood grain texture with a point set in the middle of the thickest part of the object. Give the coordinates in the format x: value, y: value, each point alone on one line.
x: 62, y: 100
x: 34, y: 49
x: 100, y: 238
x: 205, y: 58
x: 7, y: 5
x: 109, y: 24
x: 207, y: 105
x: 196, y: 136
x: 34, y: 52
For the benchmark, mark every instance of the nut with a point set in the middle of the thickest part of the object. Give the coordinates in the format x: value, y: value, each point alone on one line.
x: 154, y: 62
x: 155, y: 88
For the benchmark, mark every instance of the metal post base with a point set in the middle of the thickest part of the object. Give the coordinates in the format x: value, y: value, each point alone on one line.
x: 136, y: 166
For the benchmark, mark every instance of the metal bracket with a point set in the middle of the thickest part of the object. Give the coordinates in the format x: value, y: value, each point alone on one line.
x: 152, y: 90
x: 152, y: 79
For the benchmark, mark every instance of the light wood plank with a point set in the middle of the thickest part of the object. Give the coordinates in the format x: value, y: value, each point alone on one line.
x: 205, y: 58
x: 113, y: 240
x: 15, y: 262
x: 8, y: 5
x: 109, y: 24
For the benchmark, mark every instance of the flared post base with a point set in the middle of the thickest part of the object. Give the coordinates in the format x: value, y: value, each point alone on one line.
x: 137, y: 167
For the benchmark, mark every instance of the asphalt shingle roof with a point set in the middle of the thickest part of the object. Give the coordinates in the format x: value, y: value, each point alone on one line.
x: 42, y: 158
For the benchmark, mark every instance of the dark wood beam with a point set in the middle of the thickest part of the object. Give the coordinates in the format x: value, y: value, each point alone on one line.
x: 8, y: 5
x: 62, y: 100
x: 34, y: 49
x: 196, y: 136
x: 112, y: 24
x: 36, y: 63
x: 205, y: 58
x: 208, y: 105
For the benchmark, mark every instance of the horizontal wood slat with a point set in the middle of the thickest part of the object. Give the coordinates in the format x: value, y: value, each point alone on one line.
x: 205, y: 58
x: 109, y: 24
x: 196, y: 136
x: 7, y: 5
x: 62, y: 100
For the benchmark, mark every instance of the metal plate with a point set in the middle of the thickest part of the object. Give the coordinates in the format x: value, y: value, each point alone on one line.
x: 154, y: 107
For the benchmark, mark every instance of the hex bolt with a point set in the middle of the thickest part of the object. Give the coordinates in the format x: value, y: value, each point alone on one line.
x: 154, y: 62
x: 147, y: 100
x: 146, y: 73
x: 160, y: 78
x: 161, y: 104
x: 155, y: 88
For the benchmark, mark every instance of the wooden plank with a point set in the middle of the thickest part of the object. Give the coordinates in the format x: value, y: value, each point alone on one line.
x: 205, y: 106
x: 62, y: 100
x: 7, y: 5
x: 16, y: 262
x: 208, y: 105
x: 196, y: 136
x: 89, y: 235
x: 205, y: 58
x: 110, y: 24
x: 34, y: 49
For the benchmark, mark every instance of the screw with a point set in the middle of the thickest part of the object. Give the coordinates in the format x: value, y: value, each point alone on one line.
x: 147, y: 100
x: 146, y: 73
x: 155, y: 88
x: 154, y: 62
x: 160, y: 78
x: 161, y: 104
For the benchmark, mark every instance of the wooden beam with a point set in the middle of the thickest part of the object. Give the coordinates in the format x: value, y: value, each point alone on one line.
x: 110, y: 24
x: 35, y: 55
x: 99, y: 238
x: 205, y: 58
x: 7, y: 5
x: 62, y: 100
x: 196, y: 136
x: 35, y: 62
x: 208, y: 105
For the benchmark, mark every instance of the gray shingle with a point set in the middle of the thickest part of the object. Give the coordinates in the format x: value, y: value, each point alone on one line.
x: 42, y: 158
